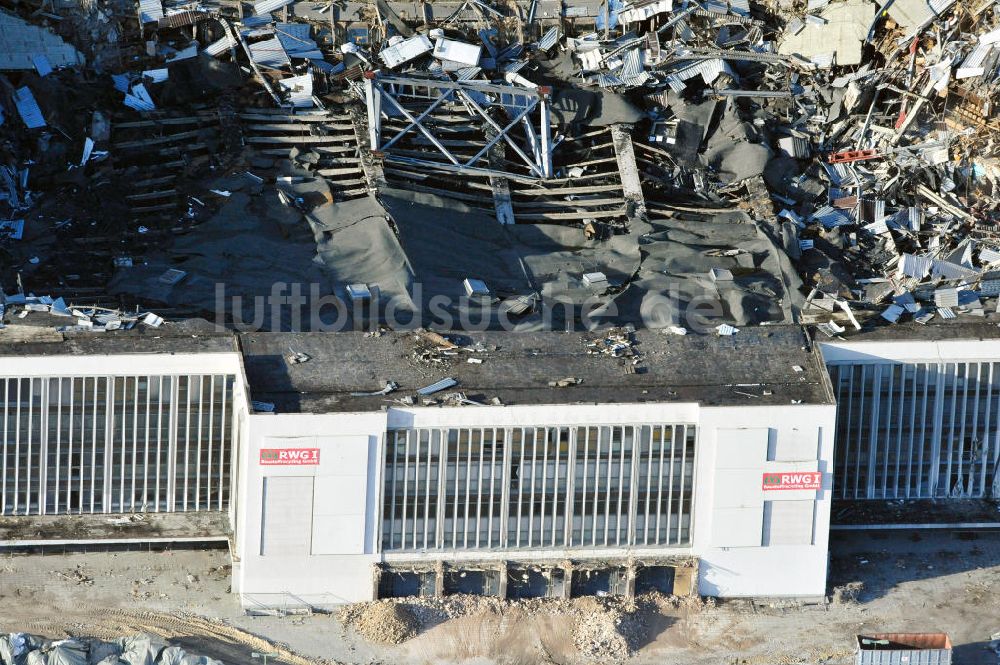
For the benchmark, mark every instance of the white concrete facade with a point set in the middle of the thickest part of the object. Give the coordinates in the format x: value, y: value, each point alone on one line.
x: 735, y: 446
x: 310, y: 531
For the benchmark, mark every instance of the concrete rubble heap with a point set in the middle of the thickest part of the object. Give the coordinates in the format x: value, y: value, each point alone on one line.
x: 832, y: 162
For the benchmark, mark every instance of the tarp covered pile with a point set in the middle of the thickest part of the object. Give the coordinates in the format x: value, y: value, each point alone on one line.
x: 141, y: 649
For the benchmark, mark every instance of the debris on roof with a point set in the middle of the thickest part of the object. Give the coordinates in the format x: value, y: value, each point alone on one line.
x: 23, y: 46
x: 830, y: 162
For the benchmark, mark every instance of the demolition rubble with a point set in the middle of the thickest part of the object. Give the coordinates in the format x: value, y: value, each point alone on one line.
x: 830, y: 162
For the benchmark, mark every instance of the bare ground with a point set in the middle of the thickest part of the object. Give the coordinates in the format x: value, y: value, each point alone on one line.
x: 903, y: 582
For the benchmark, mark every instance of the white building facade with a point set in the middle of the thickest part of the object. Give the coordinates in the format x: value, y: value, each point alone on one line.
x: 319, y: 501
x: 633, y: 481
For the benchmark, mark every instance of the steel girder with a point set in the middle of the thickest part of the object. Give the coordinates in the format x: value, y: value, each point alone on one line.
x: 527, y: 108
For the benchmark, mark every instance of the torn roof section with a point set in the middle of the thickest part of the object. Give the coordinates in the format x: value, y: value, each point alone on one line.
x: 840, y: 31
x: 21, y: 42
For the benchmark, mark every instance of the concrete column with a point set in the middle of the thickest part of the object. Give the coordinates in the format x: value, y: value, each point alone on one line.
x: 376, y: 580
x: 630, y: 571
x: 502, y: 587
x: 567, y: 568
x: 439, y: 579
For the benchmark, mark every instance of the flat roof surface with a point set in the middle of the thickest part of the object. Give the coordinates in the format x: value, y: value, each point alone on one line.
x: 912, y: 331
x: 134, y: 527
x: 193, y: 336
x: 769, y: 365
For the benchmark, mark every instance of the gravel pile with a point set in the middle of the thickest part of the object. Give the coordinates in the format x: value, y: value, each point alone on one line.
x: 598, y: 637
x: 384, y: 622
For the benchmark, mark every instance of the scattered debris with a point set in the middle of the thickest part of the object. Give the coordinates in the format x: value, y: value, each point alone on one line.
x: 824, y: 162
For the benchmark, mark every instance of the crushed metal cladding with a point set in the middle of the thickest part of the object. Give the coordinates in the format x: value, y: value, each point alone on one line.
x: 830, y: 163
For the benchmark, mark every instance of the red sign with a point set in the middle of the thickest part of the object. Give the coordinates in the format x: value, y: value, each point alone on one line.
x: 796, y: 480
x: 291, y: 456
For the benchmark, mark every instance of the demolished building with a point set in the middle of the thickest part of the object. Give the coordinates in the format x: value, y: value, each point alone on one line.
x: 766, y: 230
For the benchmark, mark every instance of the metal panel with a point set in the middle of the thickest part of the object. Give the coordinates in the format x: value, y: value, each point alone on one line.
x: 269, y: 53
x: 263, y: 7
x: 28, y: 108
x: 788, y: 523
x: 150, y: 11
x: 286, y: 519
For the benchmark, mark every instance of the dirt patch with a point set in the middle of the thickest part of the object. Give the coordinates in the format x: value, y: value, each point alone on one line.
x: 382, y: 622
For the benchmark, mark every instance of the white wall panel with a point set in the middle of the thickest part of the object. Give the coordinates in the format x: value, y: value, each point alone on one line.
x: 736, y: 527
x: 339, y: 503
x: 788, y: 523
x: 286, y: 521
x: 741, y: 448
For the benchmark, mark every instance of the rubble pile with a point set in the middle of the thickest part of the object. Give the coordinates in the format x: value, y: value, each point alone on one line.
x: 605, y: 634
x: 606, y: 629
x: 382, y: 622
x: 832, y: 162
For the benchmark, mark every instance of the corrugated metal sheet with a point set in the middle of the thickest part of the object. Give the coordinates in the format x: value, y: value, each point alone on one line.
x: 28, y: 108
x: 158, y: 75
x: 150, y: 11
x: 950, y: 270
x: 636, y: 80
x: 740, y: 7
x: 121, y: 82
x: 831, y: 217
x: 269, y: 53
x: 219, y: 47
x: 549, y: 39
x: 139, y: 99
x: 292, y: 35
x: 437, y: 387
x: 973, y: 63
x: 941, y: 6
x: 467, y: 73
x: 987, y: 255
x: 296, y: 40
x: 641, y: 11
x: 794, y: 146
x: 12, y: 228
x: 676, y: 84
x: 631, y: 64
x: 256, y: 21
x: 262, y: 7
x: 709, y: 70
x: 904, y: 649
x: 608, y: 80
x: 911, y: 265
x: 42, y: 65
x: 180, y: 19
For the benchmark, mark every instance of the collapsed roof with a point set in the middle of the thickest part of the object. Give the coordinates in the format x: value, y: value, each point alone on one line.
x: 682, y: 164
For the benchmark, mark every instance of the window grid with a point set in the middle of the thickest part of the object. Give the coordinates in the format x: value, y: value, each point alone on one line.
x: 114, y: 444
x: 916, y: 430
x: 538, y: 487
